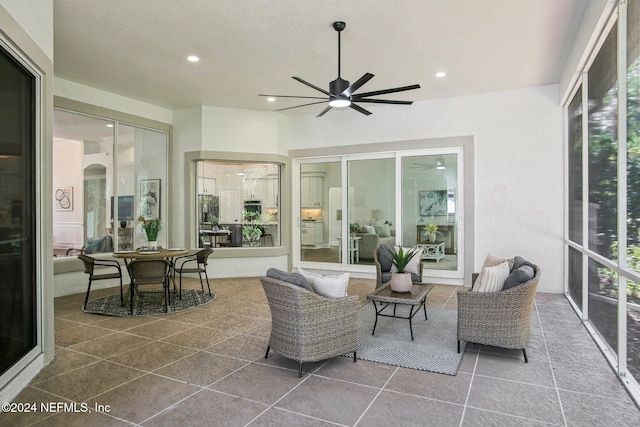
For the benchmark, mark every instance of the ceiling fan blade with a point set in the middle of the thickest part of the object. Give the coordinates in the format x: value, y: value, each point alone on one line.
x: 380, y: 101
x: 311, y: 85
x: 384, y: 91
x: 322, y: 113
x: 303, y: 105
x: 357, y: 84
x: 359, y: 109
x: 294, y: 96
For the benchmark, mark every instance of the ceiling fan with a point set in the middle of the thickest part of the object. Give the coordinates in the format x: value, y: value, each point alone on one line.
x: 439, y: 164
x: 341, y: 94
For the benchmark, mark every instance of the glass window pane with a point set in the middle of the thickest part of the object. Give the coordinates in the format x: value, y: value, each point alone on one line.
x: 18, y: 332
x: 320, y: 212
x: 371, y: 203
x: 603, y: 145
x: 633, y: 135
x: 429, y: 197
x: 82, y: 183
x: 603, y: 302
x: 142, y: 173
x: 575, y: 276
x: 575, y: 167
x: 238, y: 204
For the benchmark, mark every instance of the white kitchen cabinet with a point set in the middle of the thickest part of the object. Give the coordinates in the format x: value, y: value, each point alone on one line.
x: 307, y: 234
x: 312, y: 233
x: 318, y: 233
x: 272, y: 191
x: 311, y: 191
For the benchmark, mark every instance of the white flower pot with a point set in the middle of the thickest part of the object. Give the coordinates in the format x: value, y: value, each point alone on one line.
x: 152, y: 244
x: 432, y: 237
x: 401, y: 282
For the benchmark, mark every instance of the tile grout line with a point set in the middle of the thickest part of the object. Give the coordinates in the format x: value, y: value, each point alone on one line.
x: 553, y: 375
x: 473, y: 374
x: 376, y: 396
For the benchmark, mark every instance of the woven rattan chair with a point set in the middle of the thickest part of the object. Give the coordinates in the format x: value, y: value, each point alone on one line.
x: 383, y: 267
x: 307, y: 327
x: 112, y: 268
x: 194, y: 263
x: 500, y: 319
x: 149, y: 272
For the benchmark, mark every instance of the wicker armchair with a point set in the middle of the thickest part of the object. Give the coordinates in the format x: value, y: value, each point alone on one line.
x: 501, y: 319
x: 307, y: 327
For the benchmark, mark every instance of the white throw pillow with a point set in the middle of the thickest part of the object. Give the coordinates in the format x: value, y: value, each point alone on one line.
x: 327, y: 286
x: 493, y: 260
x: 369, y: 229
x: 414, y: 265
x: 492, y: 278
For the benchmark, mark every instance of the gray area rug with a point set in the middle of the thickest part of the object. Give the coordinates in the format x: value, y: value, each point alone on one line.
x: 110, y: 305
x: 434, y: 347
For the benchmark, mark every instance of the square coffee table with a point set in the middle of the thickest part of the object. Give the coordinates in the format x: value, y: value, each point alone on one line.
x: 416, y: 298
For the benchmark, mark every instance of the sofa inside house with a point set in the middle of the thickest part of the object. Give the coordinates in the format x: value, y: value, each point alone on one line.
x: 372, y: 236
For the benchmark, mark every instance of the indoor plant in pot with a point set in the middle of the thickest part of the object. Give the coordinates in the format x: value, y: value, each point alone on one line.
x: 431, y: 230
x: 151, y: 228
x: 401, y: 281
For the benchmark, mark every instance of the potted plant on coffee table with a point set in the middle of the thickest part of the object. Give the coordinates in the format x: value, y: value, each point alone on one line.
x: 401, y: 281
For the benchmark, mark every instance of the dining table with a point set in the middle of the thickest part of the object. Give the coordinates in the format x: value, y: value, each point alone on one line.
x: 159, y: 253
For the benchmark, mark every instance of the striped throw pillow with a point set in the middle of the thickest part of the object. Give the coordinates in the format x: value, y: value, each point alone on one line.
x: 492, y: 278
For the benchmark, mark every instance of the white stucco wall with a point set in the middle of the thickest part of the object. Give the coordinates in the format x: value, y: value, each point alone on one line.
x: 79, y: 92
x: 519, y: 175
x: 36, y: 19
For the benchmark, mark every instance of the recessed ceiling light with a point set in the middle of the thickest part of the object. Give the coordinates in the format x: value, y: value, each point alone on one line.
x: 193, y: 58
x: 441, y: 74
x: 271, y: 99
x: 109, y: 125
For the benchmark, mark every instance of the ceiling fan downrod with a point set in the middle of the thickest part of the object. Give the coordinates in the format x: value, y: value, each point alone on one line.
x: 338, y: 85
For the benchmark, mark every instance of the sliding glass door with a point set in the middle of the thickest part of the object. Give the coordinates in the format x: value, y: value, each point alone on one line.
x: 430, y: 208
x: 387, y: 198
x: 18, y: 301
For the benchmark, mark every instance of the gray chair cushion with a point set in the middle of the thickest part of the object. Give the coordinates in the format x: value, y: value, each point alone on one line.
x: 518, y: 276
x: 518, y: 262
x: 293, y: 278
x: 384, y: 258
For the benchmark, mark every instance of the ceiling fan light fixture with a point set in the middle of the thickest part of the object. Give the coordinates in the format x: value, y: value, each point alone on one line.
x: 339, y: 103
x: 440, y: 163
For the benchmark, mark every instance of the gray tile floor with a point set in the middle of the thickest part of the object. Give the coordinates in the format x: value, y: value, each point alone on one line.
x: 206, y: 367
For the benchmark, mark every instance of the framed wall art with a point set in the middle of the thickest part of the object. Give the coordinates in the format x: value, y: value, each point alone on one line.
x: 432, y: 203
x: 150, y: 198
x: 63, y: 199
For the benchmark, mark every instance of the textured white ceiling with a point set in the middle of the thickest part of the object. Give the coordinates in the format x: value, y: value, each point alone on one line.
x: 139, y: 48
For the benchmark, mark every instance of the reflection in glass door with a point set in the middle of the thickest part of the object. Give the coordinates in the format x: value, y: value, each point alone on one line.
x: 372, y: 207
x: 18, y: 301
x: 320, y: 211
x: 430, y: 208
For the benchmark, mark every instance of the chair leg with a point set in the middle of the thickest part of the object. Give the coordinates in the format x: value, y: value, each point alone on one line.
x: 524, y: 353
x: 207, y: 278
x: 354, y: 357
x: 86, y: 298
x: 121, y: 293
x: 167, y: 293
x: 300, y: 370
x: 458, y: 346
x: 201, y: 284
x: 267, y: 353
x: 131, y: 297
x: 180, y: 293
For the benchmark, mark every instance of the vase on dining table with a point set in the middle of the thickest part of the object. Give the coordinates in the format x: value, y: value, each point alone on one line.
x: 152, y: 244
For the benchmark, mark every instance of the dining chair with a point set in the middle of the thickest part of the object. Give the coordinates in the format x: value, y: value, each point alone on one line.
x: 194, y: 263
x: 90, y: 264
x: 264, y: 236
x: 149, y: 272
